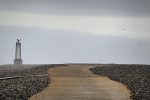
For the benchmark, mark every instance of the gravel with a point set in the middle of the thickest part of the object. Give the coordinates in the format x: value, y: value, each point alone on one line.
x: 24, y: 81
x: 136, y: 77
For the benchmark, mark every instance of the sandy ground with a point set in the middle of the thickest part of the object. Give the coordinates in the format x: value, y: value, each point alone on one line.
x: 78, y: 83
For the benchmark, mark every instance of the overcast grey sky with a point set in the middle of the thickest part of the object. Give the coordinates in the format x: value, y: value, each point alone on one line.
x: 76, y: 31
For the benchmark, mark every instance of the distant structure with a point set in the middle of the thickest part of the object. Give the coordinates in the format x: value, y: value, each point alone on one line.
x: 18, y: 60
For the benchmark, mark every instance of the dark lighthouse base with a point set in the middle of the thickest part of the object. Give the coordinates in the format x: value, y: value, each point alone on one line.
x: 18, y: 61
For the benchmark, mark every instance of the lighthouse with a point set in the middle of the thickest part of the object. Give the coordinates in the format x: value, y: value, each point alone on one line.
x: 18, y: 60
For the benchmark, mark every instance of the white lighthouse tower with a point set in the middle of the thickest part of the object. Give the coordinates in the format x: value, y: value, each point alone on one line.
x: 18, y: 60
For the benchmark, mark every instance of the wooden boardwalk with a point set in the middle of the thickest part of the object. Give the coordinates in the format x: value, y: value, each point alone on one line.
x: 78, y: 83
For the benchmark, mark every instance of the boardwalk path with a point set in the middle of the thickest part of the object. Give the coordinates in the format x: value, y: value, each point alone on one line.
x: 78, y: 83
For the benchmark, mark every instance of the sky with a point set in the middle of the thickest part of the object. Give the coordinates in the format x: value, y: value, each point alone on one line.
x: 76, y: 31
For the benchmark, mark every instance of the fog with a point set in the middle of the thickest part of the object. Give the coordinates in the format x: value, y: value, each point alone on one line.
x: 81, y: 31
